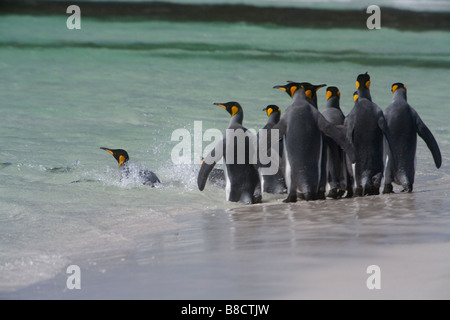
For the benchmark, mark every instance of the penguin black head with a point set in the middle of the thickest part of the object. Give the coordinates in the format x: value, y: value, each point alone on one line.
x: 119, y: 154
x: 396, y: 86
x: 363, y: 80
x: 355, y: 96
x: 271, y: 108
x: 291, y: 87
x: 232, y: 107
x: 333, y: 92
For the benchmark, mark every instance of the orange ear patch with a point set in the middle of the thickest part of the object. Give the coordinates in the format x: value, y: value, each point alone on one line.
x: 293, y: 89
x: 234, y: 110
x: 309, y: 94
x: 121, y: 160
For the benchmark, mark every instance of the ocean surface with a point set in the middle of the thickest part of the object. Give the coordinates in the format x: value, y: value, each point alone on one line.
x: 131, y: 84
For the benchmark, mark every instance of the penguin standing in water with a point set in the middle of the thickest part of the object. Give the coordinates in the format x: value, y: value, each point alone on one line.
x: 404, y: 124
x: 366, y: 129
x: 148, y: 177
x: 337, y: 175
x: 238, y: 149
x: 273, y: 183
x: 302, y: 126
x: 323, y: 169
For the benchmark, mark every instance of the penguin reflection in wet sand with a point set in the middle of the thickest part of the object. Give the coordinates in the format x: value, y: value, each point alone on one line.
x: 366, y: 129
x: 148, y: 177
x: 404, y: 124
x: 337, y: 175
x: 238, y: 149
x: 273, y: 183
x: 302, y: 126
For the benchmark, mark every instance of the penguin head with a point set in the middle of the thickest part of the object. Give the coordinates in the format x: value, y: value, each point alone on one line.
x: 397, y: 85
x: 363, y: 81
x: 232, y: 107
x: 333, y: 92
x: 355, y: 96
x: 271, y: 109
x: 119, y: 154
x: 291, y: 87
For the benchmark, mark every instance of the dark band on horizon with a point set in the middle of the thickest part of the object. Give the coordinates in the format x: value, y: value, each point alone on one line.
x: 283, y: 16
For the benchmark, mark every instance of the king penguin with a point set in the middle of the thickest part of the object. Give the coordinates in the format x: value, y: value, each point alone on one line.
x: 323, y: 178
x: 238, y: 149
x: 366, y: 129
x: 405, y: 124
x: 273, y: 183
x: 147, y: 177
x: 302, y: 126
x: 338, y: 177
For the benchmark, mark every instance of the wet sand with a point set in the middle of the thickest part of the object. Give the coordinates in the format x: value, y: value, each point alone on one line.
x: 306, y: 250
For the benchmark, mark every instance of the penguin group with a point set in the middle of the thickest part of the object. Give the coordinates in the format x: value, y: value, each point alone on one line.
x: 319, y: 151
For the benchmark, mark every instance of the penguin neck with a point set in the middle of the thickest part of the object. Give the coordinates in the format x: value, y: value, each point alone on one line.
x: 274, y: 118
x: 364, y: 93
x: 236, y: 119
x: 399, y: 94
x: 333, y: 103
x: 300, y: 95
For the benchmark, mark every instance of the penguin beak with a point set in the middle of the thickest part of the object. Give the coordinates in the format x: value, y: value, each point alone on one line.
x: 220, y: 105
x: 106, y: 149
x: 280, y: 87
x: 320, y: 86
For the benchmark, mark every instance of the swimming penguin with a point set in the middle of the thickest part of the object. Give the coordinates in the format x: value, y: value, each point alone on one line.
x: 273, y: 183
x: 148, y: 177
x: 366, y: 127
x: 302, y: 126
x: 404, y: 124
x: 338, y: 177
x: 5, y: 164
x: 238, y: 149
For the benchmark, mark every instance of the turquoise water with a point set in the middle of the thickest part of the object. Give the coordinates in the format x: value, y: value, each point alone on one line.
x: 66, y: 93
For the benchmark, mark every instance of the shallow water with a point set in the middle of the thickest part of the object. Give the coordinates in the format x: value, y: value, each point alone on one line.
x: 65, y: 94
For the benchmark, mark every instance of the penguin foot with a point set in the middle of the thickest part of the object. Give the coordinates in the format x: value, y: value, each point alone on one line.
x: 388, y: 188
x: 257, y: 199
x: 359, y: 191
x: 408, y: 188
x: 321, y: 195
x: 333, y: 193
x: 349, y: 193
x: 373, y: 191
x: 290, y: 198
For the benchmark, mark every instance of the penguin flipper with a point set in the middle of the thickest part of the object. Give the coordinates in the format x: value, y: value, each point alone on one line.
x: 349, y: 124
x: 337, y: 134
x: 208, y: 164
x: 382, y: 124
x: 281, y: 126
x: 427, y: 136
x: 203, y: 174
